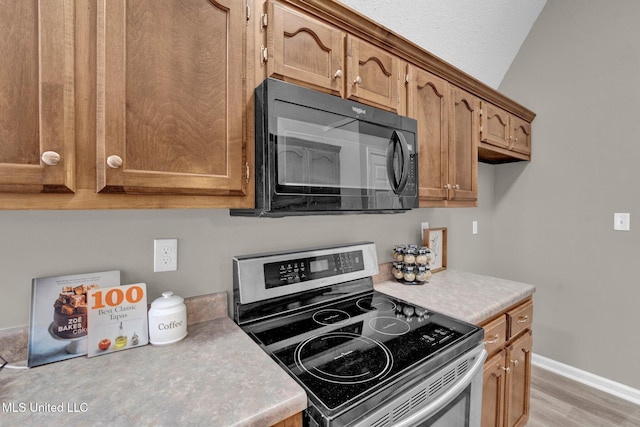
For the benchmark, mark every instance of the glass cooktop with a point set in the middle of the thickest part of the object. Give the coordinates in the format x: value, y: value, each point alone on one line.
x: 345, y: 350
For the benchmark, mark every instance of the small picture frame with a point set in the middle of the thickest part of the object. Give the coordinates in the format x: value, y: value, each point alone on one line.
x: 436, y: 240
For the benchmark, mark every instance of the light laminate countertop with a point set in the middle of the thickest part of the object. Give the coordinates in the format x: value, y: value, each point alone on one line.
x: 473, y: 298
x: 216, y: 376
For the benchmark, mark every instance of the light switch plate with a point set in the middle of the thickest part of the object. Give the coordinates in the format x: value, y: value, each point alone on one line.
x: 474, y: 227
x: 622, y: 221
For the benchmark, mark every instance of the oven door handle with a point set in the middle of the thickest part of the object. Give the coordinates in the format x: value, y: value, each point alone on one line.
x: 447, y: 397
x: 397, y: 140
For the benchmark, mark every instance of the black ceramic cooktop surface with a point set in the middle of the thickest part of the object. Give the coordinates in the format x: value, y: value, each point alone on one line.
x: 343, y: 351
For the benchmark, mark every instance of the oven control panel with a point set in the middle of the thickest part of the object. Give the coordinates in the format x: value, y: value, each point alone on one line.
x: 262, y: 277
x: 283, y: 273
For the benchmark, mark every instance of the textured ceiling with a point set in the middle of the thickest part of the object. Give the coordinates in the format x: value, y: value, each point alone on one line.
x: 480, y: 37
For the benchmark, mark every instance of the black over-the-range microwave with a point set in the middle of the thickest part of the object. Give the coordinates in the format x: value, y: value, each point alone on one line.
x: 319, y: 154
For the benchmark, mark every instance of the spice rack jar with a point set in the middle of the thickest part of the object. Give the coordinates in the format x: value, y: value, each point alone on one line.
x: 411, y: 264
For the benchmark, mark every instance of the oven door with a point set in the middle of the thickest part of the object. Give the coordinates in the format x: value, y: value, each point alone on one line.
x: 439, y: 400
x: 331, y: 154
x: 460, y: 405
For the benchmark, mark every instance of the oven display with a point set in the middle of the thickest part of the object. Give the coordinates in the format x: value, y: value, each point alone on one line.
x: 283, y: 273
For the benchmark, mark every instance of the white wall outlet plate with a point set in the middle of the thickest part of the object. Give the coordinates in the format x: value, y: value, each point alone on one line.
x: 474, y: 227
x: 165, y: 255
x: 622, y: 221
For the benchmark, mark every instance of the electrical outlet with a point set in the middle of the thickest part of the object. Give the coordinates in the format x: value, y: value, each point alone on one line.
x: 165, y: 255
x: 622, y: 221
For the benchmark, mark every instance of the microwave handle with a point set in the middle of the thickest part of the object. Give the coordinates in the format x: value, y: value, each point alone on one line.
x: 397, y: 138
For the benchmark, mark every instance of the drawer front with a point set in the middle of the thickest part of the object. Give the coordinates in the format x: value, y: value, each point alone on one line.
x: 520, y: 318
x: 495, y: 335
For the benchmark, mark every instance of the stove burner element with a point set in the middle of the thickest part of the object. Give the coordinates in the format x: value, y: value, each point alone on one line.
x: 376, y: 303
x: 389, y: 325
x: 331, y: 316
x: 343, y: 358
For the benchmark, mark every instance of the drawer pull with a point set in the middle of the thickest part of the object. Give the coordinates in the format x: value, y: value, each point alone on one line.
x: 507, y: 370
x: 515, y: 362
x: 495, y: 339
x: 523, y: 319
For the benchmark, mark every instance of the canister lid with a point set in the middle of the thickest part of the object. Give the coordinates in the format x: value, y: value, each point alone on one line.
x: 167, y: 300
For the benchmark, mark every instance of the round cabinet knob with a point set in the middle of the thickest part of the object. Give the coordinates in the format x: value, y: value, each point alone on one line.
x: 358, y: 80
x: 456, y: 187
x: 114, y: 162
x: 447, y: 186
x: 50, y: 158
x: 338, y: 74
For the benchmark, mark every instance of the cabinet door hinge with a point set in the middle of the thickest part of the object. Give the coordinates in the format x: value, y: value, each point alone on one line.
x: 248, y: 10
x: 264, y: 20
x: 264, y: 54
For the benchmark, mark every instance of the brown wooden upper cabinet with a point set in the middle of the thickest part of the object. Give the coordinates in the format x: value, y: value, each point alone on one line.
x: 372, y: 74
x: 169, y: 90
x: 510, y: 134
x: 306, y: 51
x: 37, y: 151
x: 303, y: 50
x: 447, y: 136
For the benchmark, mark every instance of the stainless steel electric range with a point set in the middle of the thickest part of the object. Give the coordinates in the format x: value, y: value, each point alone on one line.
x: 364, y: 358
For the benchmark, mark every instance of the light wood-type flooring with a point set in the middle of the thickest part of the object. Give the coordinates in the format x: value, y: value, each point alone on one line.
x: 560, y: 402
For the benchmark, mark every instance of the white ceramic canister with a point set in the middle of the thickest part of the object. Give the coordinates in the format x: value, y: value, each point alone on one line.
x: 167, y: 319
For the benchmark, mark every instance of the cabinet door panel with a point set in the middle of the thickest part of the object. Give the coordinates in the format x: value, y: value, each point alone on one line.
x: 170, y: 96
x: 428, y: 102
x: 463, y: 145
x: 372, y: 74
x: 519, y: 381
x: 521, y: 139
x: 493, y: 387
x: 305, y: 50
x: 495, y: 126
x: 36, y: 96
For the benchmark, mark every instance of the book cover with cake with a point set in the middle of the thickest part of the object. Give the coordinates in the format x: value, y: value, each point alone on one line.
x: 59, y: 308
x: 117, y: 318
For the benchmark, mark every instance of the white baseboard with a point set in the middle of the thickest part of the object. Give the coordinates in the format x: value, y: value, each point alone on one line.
x: 608, y: 386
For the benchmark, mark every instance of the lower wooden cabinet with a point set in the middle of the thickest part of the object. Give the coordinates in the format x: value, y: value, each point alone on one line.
x: 292, y: 421
x: 493, y: 387
x: 507, y: 371
x: 518, y: 384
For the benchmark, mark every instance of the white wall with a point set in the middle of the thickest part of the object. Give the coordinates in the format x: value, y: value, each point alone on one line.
x: 480, y: 37
x: 553, y: 224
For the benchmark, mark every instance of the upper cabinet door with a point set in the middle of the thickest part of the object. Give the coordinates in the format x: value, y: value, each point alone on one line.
x: 373, y: 74
x: 37, y: 96
x: 428, y: 103
x: 521, y: 135
x: 463, y: 145
x: 169, y: 96
x: 495, y: 126
x: 304, y: 50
